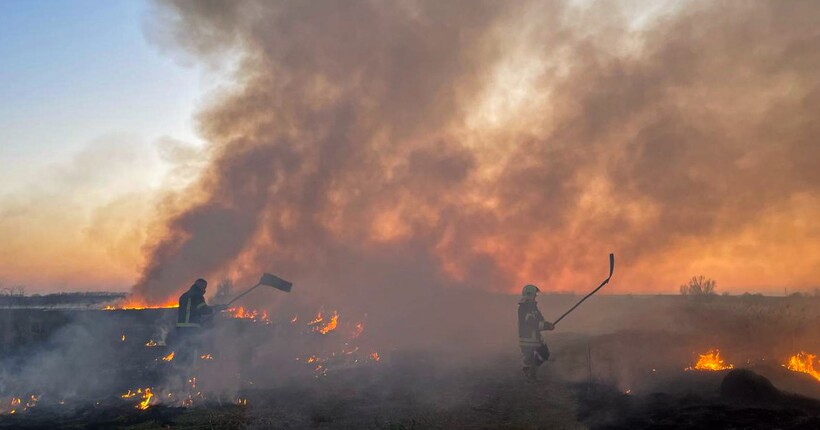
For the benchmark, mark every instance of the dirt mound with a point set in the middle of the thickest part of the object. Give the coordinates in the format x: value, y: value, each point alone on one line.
x: 746, y: 387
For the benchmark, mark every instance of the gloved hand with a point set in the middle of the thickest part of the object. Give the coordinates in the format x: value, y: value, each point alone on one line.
x: 220, y: 308
x: 546, y: 325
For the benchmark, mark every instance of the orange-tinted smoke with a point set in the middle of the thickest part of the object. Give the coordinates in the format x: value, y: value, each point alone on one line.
x: 403, y: 146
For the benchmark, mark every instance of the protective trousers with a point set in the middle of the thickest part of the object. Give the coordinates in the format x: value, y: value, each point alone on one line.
x: 533, y: 357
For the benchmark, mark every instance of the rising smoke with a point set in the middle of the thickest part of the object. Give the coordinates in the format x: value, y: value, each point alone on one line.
x: 391, y: 148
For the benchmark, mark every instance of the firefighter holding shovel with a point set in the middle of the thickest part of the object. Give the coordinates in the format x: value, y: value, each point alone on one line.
x: 193, y: 315
x: 531, y: 323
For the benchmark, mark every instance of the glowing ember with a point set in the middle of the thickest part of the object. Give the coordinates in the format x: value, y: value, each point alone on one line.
x: 14, y: 404
x: 804, y: 363
x: 710, y: 361
x: 375, y: 356
x: 249, y: 314
x: 294, y: 319
x: 168, y: 357
x: 317, y: 320
x: 130, y: 393
x: 327, y: 327
x: 151, y: 343
x: 357, y: 330
x: 206, y: 357
x: 122, y: 338
x: 146, y: 399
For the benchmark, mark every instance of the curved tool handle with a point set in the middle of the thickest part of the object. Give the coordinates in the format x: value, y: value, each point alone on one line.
x: 606, y: 281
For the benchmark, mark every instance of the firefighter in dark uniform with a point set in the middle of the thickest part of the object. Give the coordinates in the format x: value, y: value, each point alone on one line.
x: 193, y: 315
x: 530, y: 325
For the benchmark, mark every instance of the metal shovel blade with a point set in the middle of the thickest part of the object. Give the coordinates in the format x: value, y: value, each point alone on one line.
x: 275, y: 282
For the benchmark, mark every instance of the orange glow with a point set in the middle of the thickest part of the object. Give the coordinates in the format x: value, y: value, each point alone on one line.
x: 249, y: 314
x: 14, y: 404
x: 322, y: 326
x: 804, y: 363
x: 130, y: 393
x: 710, y: 361
x: 146, y: 399
x: 317, y: 320
x: 168, y: 357
x: 131, y: 303
x: 357, y: 330
x: 331, y: 325
x: 375, y: 356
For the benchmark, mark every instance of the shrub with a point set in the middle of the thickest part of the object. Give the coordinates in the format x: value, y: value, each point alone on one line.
x: 699, y: 286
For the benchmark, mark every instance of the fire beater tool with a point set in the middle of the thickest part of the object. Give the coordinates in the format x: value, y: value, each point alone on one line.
x: 606, y: 281
x: 267, y: 280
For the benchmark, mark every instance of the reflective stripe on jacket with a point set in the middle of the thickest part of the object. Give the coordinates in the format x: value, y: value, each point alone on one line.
x: 192, y: 308
x: 530, y: 323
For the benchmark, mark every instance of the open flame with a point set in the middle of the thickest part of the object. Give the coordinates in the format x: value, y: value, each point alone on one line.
x: 804, y: 363
x: 16, y: 404
x: 130, y: 393
x: 131, y: 303
x: 249, y: 314
x: 710, y: 361
x: 168, y: 357
x: 146, y: 399
x: 322, y: 325
x: 347, y: 355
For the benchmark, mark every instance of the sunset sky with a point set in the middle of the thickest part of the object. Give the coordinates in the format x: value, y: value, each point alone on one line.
x: 86, y: 103
x: 480, y: 146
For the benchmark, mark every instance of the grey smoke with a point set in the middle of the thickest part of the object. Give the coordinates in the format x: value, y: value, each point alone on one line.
x: 347, y: 158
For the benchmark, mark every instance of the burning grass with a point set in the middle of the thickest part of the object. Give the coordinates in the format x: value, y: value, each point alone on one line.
x: 249, y: 314
x: 132, y: 303
x: 711, y: 361
x: 322, y: 324
x: 803, y: 362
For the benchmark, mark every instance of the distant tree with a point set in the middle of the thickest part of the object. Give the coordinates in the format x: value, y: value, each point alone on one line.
x: 699, y: 286
x: 224, y: 291
x: 13, y: 291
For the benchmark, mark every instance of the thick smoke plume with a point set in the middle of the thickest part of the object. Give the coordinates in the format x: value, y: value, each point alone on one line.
x: 391, y: 148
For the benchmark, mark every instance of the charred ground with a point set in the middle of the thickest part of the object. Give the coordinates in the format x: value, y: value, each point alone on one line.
x: 619, y: 363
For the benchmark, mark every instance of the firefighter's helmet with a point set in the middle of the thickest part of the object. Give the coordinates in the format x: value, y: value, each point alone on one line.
x: 200, y: 283
x: 529, y: 290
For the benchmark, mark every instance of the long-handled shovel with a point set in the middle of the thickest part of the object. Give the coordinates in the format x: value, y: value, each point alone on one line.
x: 606, y: 281
x: 267, y: 280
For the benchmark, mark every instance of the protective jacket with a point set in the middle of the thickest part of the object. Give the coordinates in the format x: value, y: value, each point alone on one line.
x: 530, y: 324
x: 192, y: 308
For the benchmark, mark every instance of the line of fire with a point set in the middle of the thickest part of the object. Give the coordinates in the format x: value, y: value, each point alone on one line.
x: 133, y: 369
